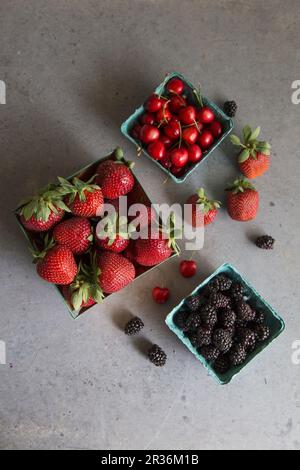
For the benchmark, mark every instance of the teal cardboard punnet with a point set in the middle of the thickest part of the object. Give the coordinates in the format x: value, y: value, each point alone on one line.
x: 274, y: 322
x: 226, y: 122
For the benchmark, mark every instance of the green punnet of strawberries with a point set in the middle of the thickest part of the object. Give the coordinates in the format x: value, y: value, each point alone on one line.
x: 251, y: 146
x: 85, y: 287
x: 49, y: 200
x: 206, y: 204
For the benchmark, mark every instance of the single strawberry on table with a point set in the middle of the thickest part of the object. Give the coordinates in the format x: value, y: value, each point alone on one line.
x: 242, y: 200
x: 204, y: 210
x: 254, y: 158
x: 75, y: 233
x: 83, y: 198
x: 116, y: 272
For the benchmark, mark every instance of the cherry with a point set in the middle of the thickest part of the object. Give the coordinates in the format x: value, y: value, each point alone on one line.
x: 166, y: 140
x: 160, y: 294
x: 190, y: 135
x: 166, y: 162
x: 163, y: 115
x: 175, y: 170
x: 216, y: 129
x: 176, y: 103
x: 148, y: 118
x: 172, y: 130
x: 188, y: 268
x: 187, y: 115
x: 179, y: 157
x: 135, y: 133
x: 195, y: 153
x: 206, y: 115
x: 206, y: 139
x: 153, y: 104
x: 175, y: 85
x: 149, y: 134
x: 157, y: 150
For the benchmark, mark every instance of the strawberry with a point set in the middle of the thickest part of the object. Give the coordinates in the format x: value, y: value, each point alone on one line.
x: 254, y: 158
x: 203, y: 209
x: 43, y: 211
x: 115, y: 176
x: 242, y: 201
x: 84, y: 199
x: 112, y: 233
x: 55, y: 263
x: 75, y: 233
x: 116, y: 272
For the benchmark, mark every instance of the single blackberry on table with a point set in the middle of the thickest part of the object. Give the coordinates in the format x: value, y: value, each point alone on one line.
x: 193, y: 303
x: 230, y: 108
x: 157, y: 356
x: 180, y: 319
x: 222, y: 364
x: 193, y: 337
x: 209, y: 315
x: 244, y: 311
x: 237, y: 292
x: 210, y: 352
x: 224, y: 283
x: 265, y: 242
x: 219, y: 300
x: 134, y: 326
x: 260, y: 318
x: 193, y: 321
x: 237, y: 355
x: 222, y: 340
x: 226, y: 318
x: 262, y: 332
x: 204, y: 334
x: 246, y: 338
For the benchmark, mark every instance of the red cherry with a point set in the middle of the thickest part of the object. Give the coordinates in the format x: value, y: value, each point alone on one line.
x: 165, y: 140
x: 166, y: 162
x: 195, y: 153
x: 172, y: 130
x: 156, y: 150
x: 149, y: 134
x: 216, y: 129
x: 206, y: 140
x: 153, y: 104
x: 187, y: 115
x: 148, y: 118
x: 135, y: 133
x: 206, y: 115
x: 188, y: 268
x: 176, y: 103
x: 175, y: 85
x: 176, y: 171
x: 190, y: 135
x: 160, y: 294
x: 179, y: 157
x: 164, y: 115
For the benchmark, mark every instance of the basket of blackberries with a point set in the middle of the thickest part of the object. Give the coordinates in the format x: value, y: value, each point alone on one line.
x: 225, y: 323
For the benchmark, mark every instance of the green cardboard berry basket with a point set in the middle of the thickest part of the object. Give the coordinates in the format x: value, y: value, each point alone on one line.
x: 226, y: 122
x: 274, y: 322
x: 86, y: 173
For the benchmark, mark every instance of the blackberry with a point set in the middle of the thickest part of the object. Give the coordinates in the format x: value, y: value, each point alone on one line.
x: 210, y: 353
x: 222, y: 340
x: 237, y: 292
x: 212, y: 287
x: 204, y: 335
x: 180, y: 319
x: 193, y: 303
x: 260, y: 318
x: 237, y: 355
x: 265, y: 242
x: 227, y: 318
x: 209, y: 315
x: 262, y: 333
x: 134, y: 326
x: 222, y: 364
x: 224, y: 283
x: 244, y: 311
x: 193, y: 322
x: 157, y: 356
x: 230, y: 108
x: 193, y: 337
x: 246, y: 338
x: 230, y: 330
x: 219, y: 300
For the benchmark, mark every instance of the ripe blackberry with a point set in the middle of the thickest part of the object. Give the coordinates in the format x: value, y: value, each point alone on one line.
x: 227, y: 318
x: 222, y: 364
x: 208, y: 315
x: 193, y: 303
x: 246, y: 338
x: 237, y: 292
x: 193, y: 322
x: 262, y: 332
x: 265, y: 242
x: 237, y: 355
x: 260, y: 318
x: 224, y: 283
x: 157, y: 356
x: 204, y: 335
x: 193, y: 337
x: 230, y: 108
x: 210, y: 353
x: 134, y: 326
x: 244, y: 311
x: 230, y: 330
x: 219, y: 300
x: 180, y: 319
x: 222, y: 340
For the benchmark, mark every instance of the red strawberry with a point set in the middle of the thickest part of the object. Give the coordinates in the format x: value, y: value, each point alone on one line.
x: 44, y: 210
x: 242, y: 201
x: 75, y: 233
x: 55, y: 264
x: 116, y: 245
x: 116, y: 272
x: 254, y: 159
x: 112, y: 233
x: 203, y: 209
x: 115, y: 177
x: 68, y: 294
x: 84, y: 199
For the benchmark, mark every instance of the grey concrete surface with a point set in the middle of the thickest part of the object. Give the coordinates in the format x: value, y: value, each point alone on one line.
x: 74, y: 70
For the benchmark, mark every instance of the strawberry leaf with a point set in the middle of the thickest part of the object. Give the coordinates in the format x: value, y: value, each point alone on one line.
x: 235, y: 140
x: 254, y: 134
x: 244, y: 155
x: 247, y: 131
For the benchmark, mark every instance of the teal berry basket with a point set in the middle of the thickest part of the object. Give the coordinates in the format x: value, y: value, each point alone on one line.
x: 273, y: 320
x: 226, y: 122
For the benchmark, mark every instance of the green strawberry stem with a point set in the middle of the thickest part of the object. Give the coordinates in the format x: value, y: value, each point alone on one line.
x: 41, y: 206
x: 240, y: 185
x: 85, y: 284
x: 77, y: 188
x: 172, y: 233
x: 251, y: 145
x: 207, y: 204
x: 38, y: 255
